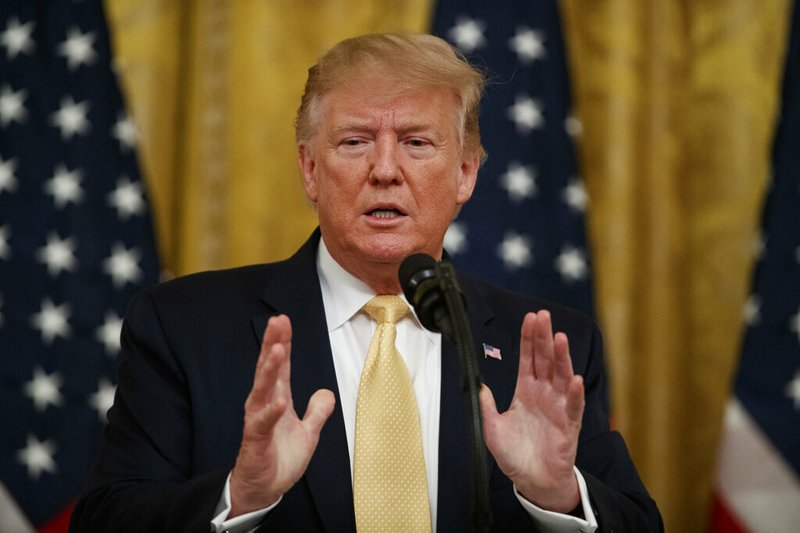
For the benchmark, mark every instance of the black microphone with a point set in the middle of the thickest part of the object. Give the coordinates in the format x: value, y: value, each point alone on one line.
x: 421, y: 279
x: 433, y: 291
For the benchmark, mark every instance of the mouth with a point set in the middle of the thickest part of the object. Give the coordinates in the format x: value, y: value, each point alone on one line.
x: 386, y: 213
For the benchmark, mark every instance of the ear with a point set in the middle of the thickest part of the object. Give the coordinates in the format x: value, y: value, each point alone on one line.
x: 468, y: 176
x: 305, y: 157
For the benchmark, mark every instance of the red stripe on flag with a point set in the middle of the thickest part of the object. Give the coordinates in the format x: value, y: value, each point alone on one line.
x: 722, y: 520
x: 59, y: 524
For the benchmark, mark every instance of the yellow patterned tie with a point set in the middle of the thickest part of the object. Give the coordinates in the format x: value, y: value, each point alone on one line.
x: 390, y: 487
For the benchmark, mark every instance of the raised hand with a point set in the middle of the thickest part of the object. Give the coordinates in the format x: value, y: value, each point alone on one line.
x: 276, y: 444
x: 535, y: 441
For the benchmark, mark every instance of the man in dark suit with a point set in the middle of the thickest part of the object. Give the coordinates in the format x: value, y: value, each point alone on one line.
x: 389, y: 148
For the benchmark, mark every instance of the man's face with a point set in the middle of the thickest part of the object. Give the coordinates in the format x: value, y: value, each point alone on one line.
x: 386, y: 172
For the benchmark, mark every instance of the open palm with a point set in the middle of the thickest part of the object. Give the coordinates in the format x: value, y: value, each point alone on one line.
x: 535, y: 441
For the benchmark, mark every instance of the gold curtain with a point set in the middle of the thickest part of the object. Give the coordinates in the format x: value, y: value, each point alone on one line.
x: 677, y: 99
x: 214, y: 86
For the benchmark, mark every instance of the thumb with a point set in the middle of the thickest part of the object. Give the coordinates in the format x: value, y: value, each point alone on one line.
x: 320, y: 407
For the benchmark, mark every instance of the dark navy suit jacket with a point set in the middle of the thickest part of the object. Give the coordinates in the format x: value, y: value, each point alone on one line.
x: 189, y: 349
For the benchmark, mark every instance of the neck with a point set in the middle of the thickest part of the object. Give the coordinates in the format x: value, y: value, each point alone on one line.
x: 380, y: 277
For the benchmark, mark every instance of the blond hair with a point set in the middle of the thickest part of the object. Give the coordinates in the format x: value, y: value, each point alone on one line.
x: 415, y: 61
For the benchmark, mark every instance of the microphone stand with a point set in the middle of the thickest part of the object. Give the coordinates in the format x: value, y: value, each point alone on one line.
x: 457, y: 329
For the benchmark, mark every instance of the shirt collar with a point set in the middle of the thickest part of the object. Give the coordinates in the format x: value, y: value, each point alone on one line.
x: 344, y: 295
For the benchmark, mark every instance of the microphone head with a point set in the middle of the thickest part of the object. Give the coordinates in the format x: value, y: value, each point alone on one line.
x: 420, y: 281
x: 414, y: 270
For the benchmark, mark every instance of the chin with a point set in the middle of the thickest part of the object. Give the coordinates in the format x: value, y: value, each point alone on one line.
x: 387, y: 249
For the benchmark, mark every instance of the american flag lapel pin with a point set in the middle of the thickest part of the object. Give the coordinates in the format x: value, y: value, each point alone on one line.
x: 491, y: 351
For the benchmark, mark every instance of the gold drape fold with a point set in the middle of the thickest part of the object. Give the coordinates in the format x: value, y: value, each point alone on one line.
x: 678, y: 101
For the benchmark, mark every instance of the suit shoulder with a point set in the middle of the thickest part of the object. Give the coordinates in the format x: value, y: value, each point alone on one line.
x: 213, y: 286
x: 517, y: 304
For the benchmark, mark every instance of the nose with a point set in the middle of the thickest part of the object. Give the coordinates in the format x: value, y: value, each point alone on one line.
x: 384, y: 163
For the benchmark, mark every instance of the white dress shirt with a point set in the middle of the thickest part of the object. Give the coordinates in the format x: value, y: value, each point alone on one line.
x: 350, y: 331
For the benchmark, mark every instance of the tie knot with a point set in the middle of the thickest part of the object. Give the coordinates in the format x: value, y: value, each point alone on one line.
x: 386, y: 308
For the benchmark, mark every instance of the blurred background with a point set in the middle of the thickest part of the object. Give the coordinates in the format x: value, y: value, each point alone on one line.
x: 644, y: 166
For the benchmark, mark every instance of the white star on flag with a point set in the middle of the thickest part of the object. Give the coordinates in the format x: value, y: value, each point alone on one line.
x: 11, y: 108
x: 575, y: 196
x: 103, y: 398
x: 526, y: 113
x: 455, y: 239
x: 127, y: 198
x: 571, y: 264
x: 122, y: 265
x: 43, y: 389
x: 71, y: 118
x: 8, y: 181
x: 573, y: 126
x: 527, y: 44
x: 5, y: 249
x: 515, y: 251
x: 519, y: 181
x: 38, y: 457
x: 108, y: 333
x: 52, y: 321
x: 17, y: 38
x: 751, y: 313
x: 793, y: 390
x: 124, y: 131
x: 468, y: 34
x: 65, y: 186
x: 58, y: 254
x: 77, y: 48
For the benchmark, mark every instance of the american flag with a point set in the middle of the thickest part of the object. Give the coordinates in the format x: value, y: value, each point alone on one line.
x: 75, y: 244
x: 524, y: 227
x: 491, y: 351
x: 758, y: 479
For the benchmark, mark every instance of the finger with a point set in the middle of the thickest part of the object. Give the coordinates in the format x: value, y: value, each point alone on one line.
x: 263, y: 421
x: 575, y: 399
x: 543, y: 354
x: 279, y: 333
x: 266, y: 403
x: 562, y: 364
x: 271, y: 385
x: 267, y: 376
x: 526, y: 340
x: 284, y: 326
x: 320, y: 407
x: 273, y: 334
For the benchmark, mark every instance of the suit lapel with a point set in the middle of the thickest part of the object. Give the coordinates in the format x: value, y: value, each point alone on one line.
x: 295, y: 291
x: 455, y: 469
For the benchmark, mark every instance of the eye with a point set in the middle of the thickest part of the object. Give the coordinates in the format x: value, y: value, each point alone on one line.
x: 351, y: 142
x: 417, y: 143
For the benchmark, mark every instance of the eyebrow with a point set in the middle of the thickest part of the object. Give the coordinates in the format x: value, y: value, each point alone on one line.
x: 359, y: 126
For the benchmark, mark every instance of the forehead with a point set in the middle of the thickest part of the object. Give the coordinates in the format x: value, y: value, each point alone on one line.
x: 379, y: 100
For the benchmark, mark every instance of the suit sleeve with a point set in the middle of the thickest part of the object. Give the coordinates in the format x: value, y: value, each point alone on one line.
x: 618, y: 496
x: 143, y: 478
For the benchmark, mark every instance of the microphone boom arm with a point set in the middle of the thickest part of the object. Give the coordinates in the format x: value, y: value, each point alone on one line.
x: 454, y: 326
